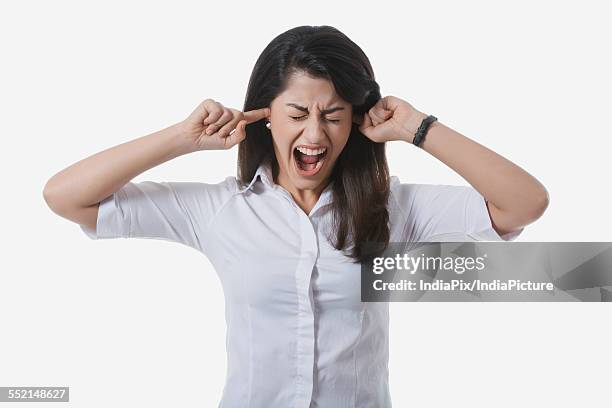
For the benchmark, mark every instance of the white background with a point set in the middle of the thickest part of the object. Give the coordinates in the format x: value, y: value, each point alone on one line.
x: 129, y: 323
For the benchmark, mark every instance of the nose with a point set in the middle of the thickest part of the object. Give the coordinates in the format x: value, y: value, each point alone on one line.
x: 314, y: 132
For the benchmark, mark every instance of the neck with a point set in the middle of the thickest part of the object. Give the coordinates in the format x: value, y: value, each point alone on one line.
x: 304, y: 198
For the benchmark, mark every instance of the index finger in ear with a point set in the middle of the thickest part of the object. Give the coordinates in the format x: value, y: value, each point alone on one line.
x: 358, y: 118
x: 256, y: 114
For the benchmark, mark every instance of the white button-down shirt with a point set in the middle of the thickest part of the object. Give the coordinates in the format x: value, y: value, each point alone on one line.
x: 298, y: 334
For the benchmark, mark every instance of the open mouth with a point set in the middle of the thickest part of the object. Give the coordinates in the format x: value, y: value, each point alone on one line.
x: 309, y: 161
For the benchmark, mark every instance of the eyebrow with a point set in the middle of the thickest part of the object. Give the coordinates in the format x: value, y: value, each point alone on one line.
x: 323, y: 112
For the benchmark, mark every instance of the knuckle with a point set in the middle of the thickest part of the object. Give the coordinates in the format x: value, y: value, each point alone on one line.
x: 209, y: 105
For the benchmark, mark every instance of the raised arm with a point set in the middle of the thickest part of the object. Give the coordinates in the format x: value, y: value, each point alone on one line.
x: 75, y: 192
x: 514, y: 197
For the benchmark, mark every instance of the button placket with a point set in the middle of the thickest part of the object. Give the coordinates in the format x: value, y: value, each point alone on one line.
x: 306, y: 320
x: 306, y: 335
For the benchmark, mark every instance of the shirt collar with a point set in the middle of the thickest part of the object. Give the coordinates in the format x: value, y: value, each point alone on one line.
x: 264, y: 173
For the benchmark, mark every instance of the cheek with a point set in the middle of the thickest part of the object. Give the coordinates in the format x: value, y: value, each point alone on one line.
x: 340, y: 139
x: 282, y: 147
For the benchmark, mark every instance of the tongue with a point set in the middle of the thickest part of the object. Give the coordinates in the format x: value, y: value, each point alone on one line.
x: 305, y: 158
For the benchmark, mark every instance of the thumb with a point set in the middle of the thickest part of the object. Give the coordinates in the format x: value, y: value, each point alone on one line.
x: 256, y: 114
x: 237, y: 135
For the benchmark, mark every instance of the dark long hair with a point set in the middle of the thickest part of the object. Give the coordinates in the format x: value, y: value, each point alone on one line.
x: 361, y: 174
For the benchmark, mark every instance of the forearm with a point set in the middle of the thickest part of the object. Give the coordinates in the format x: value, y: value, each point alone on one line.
x: 94, y: 178
x: 504, y: 184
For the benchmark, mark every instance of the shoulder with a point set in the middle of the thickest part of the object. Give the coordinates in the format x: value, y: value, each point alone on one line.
x: 195, y: 196
x: 426, y: 192
x: 436, y: 210
x: 427, y: 201
x: 221, y: 189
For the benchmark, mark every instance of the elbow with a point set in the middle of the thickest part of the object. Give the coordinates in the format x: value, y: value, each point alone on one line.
x: 540, y: 203
x: 48, y: 196
x: 51, y: 197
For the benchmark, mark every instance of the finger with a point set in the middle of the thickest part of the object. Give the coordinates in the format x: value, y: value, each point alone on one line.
x: 229, y: 126
x: 366, y: 124
x: 376, y: 120
x: 199, y: 113
x: 391, y: 102
x: 225, y: 117
x: 204, y: 115
x: 383, y: 109
x: 256, y: 114
x: 368, y: 128
x: 381, y: 115
x: 381, y: 112
x: 214, y: 114
x: 237, y: 135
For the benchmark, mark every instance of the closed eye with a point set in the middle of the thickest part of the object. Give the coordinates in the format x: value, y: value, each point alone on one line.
x: 303, y: 116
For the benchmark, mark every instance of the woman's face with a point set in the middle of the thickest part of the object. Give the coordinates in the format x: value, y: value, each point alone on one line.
x: 310, y: 126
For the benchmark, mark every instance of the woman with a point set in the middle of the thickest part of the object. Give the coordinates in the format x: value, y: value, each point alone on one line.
x: 284, y: 235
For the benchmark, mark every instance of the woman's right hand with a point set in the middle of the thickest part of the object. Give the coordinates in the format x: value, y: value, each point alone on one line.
x: 210, y: 124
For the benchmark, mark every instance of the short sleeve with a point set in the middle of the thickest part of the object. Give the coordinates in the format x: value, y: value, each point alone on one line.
x: 171, y: 211
x: 437, y: 212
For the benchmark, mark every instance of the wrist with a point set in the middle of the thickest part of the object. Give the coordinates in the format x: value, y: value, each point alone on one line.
x: 412, y: 125
x: 183, y: 144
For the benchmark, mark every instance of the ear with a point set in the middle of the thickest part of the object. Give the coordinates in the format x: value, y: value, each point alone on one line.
x: 357, y: 118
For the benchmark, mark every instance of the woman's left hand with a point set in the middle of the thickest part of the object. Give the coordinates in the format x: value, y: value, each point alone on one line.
x: 390, y: 119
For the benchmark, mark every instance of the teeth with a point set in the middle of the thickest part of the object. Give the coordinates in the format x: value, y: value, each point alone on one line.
x: 311, y: 152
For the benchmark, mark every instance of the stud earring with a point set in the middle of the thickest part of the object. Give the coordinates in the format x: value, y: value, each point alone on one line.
x: 268, y: 125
